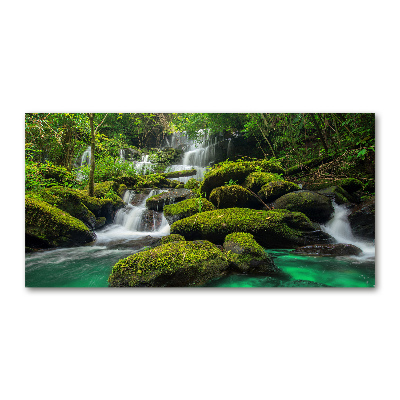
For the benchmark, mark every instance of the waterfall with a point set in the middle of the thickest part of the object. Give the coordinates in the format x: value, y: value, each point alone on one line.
x: 339, y: 228
x: 197, y: 155
x: 128, y: 222
x: 85, y: 159
x: 144, y: 166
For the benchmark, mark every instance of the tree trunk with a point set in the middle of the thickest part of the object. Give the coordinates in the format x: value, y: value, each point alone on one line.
x: 93, y: 146
x: 320, y: 134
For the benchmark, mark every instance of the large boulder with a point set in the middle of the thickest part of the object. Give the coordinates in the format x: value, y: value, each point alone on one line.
x: 256, y: 180
x: 334, y: 249
x: 338, y: 194
x: 362, y: 220
x: 232, y: 196
x: 275, y: 189
x: 248, y: 257
x: 316, y: 206
x: 47, y: 226
x: 174, y: 264
x: 158, y: 201
x: 186, y: 208
x: 236, y: 173
x: 90, y: 210
x: 271, y: 229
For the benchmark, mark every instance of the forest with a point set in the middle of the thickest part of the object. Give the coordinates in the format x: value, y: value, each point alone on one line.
x: 200, y: 199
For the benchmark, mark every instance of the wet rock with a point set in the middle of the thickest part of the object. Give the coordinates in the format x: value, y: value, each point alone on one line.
x: 316, y: 206
x: 271, y: 229
x: 150, y: 221
x: 336, y: 249
x: 134, y: 244
x: 158, y: 201
x: 362, y: 220
x: 174, y: 264
x: 247, y: 256
x: 232, y: 196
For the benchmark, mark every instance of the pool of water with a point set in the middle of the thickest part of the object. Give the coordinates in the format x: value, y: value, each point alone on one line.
x: 306, y: 271
x: 87, y: 266
x: 90, y: 266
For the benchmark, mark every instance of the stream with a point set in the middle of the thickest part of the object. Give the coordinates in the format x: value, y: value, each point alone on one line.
x: 134, y: 225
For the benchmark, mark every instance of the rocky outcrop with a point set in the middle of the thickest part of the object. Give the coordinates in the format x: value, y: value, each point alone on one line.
x: 175, y: 264
x: 47, y: 226
x: 362, y: 220
x: 186, y: 208
x: 336, y: 249
x: 247, y: 256
x: 256, y: 180
x: 158, y: 201
x: 150, y: 221
x: 316, y: 206
x: 271, y: 229
x: 275, y: 189
x: 232, y: 196
x: 236, y: 173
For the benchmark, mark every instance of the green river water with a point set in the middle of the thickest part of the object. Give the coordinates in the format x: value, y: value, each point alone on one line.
x: 90, y: 266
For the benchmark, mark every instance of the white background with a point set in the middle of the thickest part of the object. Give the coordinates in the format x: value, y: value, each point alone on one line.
x: 173, y: 56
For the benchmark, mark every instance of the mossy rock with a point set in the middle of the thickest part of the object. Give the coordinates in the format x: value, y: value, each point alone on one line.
x: 57, y: 173
x: 236, y: 172
x: 153, y: 181
x: 232, y: 196
x: 158, y: 201
x: 192, y: 184
x: 256, y: 180
x: 273, y: 190
x: 362, y: 220
x: 271, y: 229
x: 175, y: 264
x: 172, y: 238
x: 350, y: 185
x: 178, y: 174
x: 247, y: 256
x: 316, y: 206
x: 338, y: 194
x: 186, y: 208
x: 47, y: 226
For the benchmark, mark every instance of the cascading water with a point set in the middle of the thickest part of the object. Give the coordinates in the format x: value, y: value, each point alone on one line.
x: 197, y: 155
x: 339, y: 228
x: 128, y: 222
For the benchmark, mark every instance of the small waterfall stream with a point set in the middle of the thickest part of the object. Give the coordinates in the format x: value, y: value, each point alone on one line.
x: 339, y: 228
x: 128, y: 223
x: 197, y: 155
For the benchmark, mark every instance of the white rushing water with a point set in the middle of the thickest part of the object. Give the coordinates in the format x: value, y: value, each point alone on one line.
x: 128, y: 222
x: 197, y: 155
x: 339, y: 228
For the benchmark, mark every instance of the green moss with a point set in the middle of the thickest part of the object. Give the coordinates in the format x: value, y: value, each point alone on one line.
x: 231, y: 196
x: 153, y: 181
x: 273, y: 190
x: 256, y: 180
x: 176, y: 264
x: 272, y: 228
x: 172, y: 238
x: 192, y: 184
x: 316, y: 206
x: 350, y: 185
x: 236, y: 171
x: 53, y: 226
x: 246, y: 242
x: 177, y: 174
x: 186, y: 208
x: 337, y: 193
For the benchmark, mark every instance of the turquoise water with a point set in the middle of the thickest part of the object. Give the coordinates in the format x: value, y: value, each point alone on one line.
x: 87, y: 266
x: 330, y: 271
x: 90, y: 266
